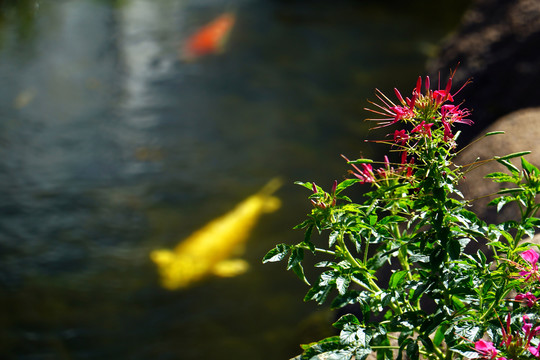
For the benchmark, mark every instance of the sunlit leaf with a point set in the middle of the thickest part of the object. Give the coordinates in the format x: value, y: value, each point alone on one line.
x: 397, y: 278
x: 511, y: 156
x: 277, y: 254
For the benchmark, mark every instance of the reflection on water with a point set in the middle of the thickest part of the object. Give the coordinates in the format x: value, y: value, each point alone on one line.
x: 111, y: 146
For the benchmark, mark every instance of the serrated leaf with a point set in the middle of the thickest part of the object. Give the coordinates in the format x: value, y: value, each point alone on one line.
x: 512, y: 168
x: 332, y: 238
x: 350, y: 297
x: 298, y: 269
x: 296, y: 257
x: 276, y: 254
x: 342, y: 284
x: 346, y: 319
x: 307, y: 235
x: 362, y: 353
x: 469, y: 354
x: 334, y: 355
x: 501, y: 177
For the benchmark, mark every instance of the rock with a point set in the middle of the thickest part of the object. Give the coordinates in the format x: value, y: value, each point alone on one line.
x: 521, y: 134
x: 498, y: 46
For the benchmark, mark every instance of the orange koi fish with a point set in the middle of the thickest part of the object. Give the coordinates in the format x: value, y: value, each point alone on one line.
x: 210, y: 39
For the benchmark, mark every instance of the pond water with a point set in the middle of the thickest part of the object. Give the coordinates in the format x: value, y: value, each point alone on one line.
x: 112, y: 146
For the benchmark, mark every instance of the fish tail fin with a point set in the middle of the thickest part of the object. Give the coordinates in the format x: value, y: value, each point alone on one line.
x: 271, y: 204
x: 272, y: 186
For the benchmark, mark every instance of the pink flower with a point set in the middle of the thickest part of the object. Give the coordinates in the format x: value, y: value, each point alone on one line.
x: 447, y: 131
x: 401, y: 137
x: 531, y: 257
x: 423, y: 128
x: 453, y: 114
x: 365, y: 174
x: 401, y: 112
x: 535, y: 351
x: 528, y: 330
x: 530, y: 299
x: 485, y: 349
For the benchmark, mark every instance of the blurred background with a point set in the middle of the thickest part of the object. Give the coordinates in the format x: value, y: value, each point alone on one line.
x: 112, y: 144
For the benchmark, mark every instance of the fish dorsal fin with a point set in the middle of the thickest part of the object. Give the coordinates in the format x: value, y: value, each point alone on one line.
x: 230, y: 268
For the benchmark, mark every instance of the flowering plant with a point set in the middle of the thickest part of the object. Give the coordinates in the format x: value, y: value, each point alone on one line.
x: 455, y: 287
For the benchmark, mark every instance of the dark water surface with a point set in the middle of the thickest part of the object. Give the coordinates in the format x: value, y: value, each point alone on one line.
x: 110, y: 146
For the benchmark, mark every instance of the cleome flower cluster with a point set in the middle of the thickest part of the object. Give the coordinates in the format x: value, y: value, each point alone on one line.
x: 442, y: 300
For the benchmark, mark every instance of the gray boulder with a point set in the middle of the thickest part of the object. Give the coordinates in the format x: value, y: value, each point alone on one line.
x: 521, y: 133
x: 498, y: 46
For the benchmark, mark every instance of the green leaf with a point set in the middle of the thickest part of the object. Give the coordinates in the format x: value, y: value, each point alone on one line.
x: 303, y: 225
x: 277, y: 254
x: 342, y: 284
x: 413, y: 352
x: 396, y: 279
x: 296, y: 257
x: 469, y: 354
x: 453, y: 247
x: 512, y: 168
x: 439, y: 334
x: 332, y: 238
x: 528, y: 167
x: 502, y: 177
x: 362, y: 353
x: 334, y: 355
x: 511, y: 191
x: 391, y: 219
x: 318, y: 293
x: 511, y: 156
x: 347, y: 319
x: 350, y: 297
x: 345, y: 184
x: 307, y: 235
x: 491, y: 133
x: 360, y: 161
x: 298, y: 269
x: 307, y: 185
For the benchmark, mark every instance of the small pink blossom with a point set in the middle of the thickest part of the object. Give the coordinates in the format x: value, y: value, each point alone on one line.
x: 423, y: 128
x: 365, y: 174
x: 401, y: 137
x: 485, y: 349
x: 535, y: 351
x: 447, y: 131
x: 453, y: 114
x: 530, y: 299
x: 401, y: 112
x: 531, y: 257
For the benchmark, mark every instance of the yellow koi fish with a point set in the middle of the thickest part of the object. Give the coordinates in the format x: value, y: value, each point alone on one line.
x: 208, y: 250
